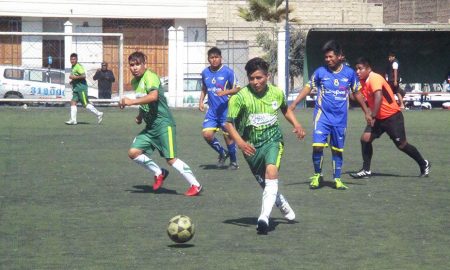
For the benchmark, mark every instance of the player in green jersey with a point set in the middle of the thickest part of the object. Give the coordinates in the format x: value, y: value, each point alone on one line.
x: 159, y: 133
x: 252, y: 122
x: 80, y: 91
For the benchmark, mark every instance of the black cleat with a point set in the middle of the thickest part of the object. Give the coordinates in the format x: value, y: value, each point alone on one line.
x: 262, y: 227
x: 425, y: 170
x: 361, y: 174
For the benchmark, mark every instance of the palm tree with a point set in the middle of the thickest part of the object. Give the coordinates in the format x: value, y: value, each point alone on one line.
x: 265, y: 10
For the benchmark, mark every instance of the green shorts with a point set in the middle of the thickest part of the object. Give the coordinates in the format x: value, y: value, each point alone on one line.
x: 269, y: 153
x: 80, y: 96
x: 165, y: 142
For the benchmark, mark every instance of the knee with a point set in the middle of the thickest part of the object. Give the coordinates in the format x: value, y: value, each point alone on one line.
x: 400, y: 145
x: 134, y: 153
x: 317, y: 149
x: 208, y: 136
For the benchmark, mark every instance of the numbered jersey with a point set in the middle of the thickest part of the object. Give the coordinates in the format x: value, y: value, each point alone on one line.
x: 333, y: 89
x: 214, y: 82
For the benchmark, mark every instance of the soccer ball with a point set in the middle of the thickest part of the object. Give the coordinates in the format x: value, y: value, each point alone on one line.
x: 180, y: 229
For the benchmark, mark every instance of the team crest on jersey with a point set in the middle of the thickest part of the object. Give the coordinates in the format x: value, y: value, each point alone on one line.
x: 221, y: 78
x: 274, y: 105
x: 336, y: 82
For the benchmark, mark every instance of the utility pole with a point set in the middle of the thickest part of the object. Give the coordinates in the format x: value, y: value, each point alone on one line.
x: 287, y: 45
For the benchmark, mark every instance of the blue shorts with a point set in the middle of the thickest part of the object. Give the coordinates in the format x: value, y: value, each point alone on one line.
x: 321, y: 133
x: 214, y: 123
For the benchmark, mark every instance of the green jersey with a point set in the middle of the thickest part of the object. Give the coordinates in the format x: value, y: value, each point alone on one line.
x: 78, y: 84
x: 255, y: 115
x: 156, y: 114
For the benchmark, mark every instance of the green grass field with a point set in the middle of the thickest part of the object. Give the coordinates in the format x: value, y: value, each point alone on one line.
x: 71, y: 199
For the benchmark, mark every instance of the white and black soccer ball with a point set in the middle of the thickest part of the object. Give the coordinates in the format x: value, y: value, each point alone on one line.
x: 180, y: 229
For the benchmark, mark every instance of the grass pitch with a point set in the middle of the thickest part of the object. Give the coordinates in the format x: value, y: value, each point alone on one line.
x: 71, y: 199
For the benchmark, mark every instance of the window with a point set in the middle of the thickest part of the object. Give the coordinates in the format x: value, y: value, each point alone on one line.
x: 37, y: 76
x: 12, y: 73
x: 194, y: 84
x: 56, y: 77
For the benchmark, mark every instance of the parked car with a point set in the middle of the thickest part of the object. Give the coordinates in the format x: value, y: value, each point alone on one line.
x: 35, y: 83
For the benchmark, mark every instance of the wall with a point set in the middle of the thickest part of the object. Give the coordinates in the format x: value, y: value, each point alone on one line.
x: 106, y: 8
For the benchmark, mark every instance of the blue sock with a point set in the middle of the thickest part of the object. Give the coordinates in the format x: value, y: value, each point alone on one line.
x: 317, y: 157
x: 232, y: 152
x: 215, y: 144
x: 337, y: 164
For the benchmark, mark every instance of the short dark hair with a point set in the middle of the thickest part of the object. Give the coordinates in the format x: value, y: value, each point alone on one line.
x: 391, y: 53
x: 138, y: 57
x: 74, y: 55
x: 363, y: 61
x: 333, y: 46
x: 255, y: 64
x: 214, y: 50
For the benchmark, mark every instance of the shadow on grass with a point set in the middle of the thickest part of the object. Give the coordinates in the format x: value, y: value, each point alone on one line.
x: 212, y: 167
x: 181, y: 245
x: 149, y: 189
x: 80, y: 123
x: 251, y: 221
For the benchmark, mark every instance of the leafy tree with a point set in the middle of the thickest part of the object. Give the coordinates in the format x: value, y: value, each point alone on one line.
x: 274, y: 11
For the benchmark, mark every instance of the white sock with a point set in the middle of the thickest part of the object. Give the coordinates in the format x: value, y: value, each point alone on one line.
x: 269, y: 198
x: 148, y: 163
x: 92, y: 109
x: 186, y: 172
x: 280, y: 200
x: 73, y: 113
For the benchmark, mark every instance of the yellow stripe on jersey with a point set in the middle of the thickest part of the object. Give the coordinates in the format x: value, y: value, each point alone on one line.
x: 169, y: 132
x: 280, y: 153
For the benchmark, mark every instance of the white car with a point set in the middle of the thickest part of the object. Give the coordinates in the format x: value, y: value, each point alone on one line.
x: 36, y: 83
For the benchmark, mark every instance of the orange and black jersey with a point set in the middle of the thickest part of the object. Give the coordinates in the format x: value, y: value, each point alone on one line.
x: 375, y: 82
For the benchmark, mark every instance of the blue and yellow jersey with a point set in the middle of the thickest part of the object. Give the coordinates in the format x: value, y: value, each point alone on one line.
x: 215, y: 81
x: 333, y: 89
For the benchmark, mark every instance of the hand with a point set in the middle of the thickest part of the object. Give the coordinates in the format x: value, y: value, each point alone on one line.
x: 368, y: 117
x: 222, y: 93
x: 71, y: 76
x: 201, y: 106
x: 247, y: 149
x: 299, y: 131
x: 124, y: 102
x: 138, y: 119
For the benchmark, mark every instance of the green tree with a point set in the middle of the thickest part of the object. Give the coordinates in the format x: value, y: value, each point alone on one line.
x: 274, y: 11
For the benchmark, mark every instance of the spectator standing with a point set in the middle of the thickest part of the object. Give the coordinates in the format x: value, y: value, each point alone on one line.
x: 105, y: 78
x: 393, y: 77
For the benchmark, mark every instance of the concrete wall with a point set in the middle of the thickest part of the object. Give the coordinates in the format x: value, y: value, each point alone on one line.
x: 106, y: 9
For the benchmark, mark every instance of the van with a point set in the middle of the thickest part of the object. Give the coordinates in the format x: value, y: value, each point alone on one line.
x: 36, y: 83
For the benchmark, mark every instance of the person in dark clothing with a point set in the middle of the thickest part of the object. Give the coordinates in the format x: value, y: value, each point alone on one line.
x: 105, y: 79
x: 393, y: 78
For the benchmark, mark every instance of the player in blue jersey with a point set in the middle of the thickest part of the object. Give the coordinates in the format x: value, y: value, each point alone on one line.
x: 334, y: 83
x: 219, y: 82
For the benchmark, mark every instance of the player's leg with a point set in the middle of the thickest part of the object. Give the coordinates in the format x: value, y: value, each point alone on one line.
x: 337, y: 149
x: 140, y: 152
x: 167, y: 147
x: 210, y: 127
x: 85, y: 101
x: 366, y: 152
x: 231, y: 145
x: 320, y: 135
x: 395, y: 128
x: 73, y: 109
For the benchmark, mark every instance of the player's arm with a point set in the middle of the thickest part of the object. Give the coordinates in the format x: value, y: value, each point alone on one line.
x: 378, y: 96
x: 246, y: 148
x: 201, y: 105
x: 139, y: 117
x: 229, y: 91
x: 305, y: 91
x: 395, y: 69
x: 290, y: 117
x: 152, y: 96
x: 362, y: 103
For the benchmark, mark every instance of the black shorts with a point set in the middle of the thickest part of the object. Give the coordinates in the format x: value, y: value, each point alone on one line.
x: 393, y: 87
x: 394, y: 126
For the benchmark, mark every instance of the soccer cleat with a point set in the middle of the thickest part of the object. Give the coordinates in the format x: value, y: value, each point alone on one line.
x: 425, y: 170
x: 71, y: 122
x: 287, y: 211
x: 262, y: 227
x: 316, y: 181
x: 234, y: 165
x: 99, y: 117
x: 193, y: 190
x: 339, y: 184
x: 160, y: 179
x: 361, y: 174
x: 222, y: 158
